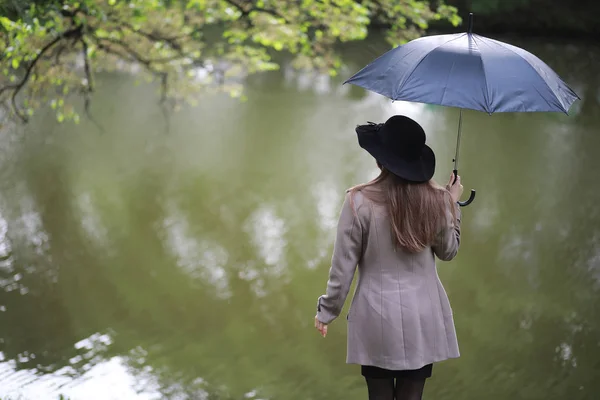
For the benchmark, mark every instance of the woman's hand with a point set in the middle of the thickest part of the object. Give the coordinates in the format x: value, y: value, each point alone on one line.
x: 321, y: 327
x: 455, y: 188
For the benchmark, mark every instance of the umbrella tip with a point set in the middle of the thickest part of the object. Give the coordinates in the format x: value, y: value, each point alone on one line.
x: 470, y: 23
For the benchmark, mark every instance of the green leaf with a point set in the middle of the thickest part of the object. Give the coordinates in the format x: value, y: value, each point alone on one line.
x: 7, y: 24
x: 101, y: 33
x: 15, y: 63
x: 112, y: 2
x: 140, y: 17
x: 92, y: 52
x: 198, y: 4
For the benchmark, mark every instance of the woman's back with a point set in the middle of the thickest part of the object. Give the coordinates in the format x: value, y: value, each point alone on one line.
x: 398, y: 294
x: 415, y: 211
x: 383, y: 260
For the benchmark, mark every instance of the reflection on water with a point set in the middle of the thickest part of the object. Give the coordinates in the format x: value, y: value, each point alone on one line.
x: 91, y: 222
x: 143, y: 265
x: 202, y: 260
x: 87, y: 376
x: 267, y: 231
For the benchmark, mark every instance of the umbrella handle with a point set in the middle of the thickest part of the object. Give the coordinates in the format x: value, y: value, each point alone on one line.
x: 469, y: 200
x: 471, y: 196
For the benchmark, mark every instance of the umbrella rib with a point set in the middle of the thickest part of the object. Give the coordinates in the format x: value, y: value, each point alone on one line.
x: 533, y: 68
x: 488, y: 103
x: 419, y: 63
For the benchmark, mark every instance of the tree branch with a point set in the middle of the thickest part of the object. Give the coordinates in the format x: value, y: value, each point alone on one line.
x: 58, y: 54
x: 89, y: 88
x: 246, y: 12
x: 86, y: 65
x: 164, y: 86
x: 171, y: 41
x: 19, y: 86
x: 239, y: 7
x: 134, y: 55
x: 15, y: 107
x: 154, y: 37
x: 109, y: 50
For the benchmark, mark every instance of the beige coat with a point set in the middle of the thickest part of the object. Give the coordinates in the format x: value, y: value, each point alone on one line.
x: 400, y: 316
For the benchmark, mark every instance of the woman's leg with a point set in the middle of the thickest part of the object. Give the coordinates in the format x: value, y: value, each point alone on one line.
x: 409, y: 389
x: 380, y: 388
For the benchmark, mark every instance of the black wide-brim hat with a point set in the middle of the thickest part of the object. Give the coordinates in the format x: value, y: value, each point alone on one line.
x: 399, y: 146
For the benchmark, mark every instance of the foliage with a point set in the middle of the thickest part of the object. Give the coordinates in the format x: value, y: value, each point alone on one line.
x: 51, y: 49
x: 408, y: 19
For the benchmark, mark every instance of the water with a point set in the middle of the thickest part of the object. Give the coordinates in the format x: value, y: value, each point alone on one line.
x: 183, y: 260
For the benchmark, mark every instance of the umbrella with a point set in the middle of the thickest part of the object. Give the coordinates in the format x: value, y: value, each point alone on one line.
x: 466, y: 71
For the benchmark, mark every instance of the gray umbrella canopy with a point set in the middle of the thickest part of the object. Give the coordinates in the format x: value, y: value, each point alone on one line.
x: 465, y: 70
x: 469, y: 71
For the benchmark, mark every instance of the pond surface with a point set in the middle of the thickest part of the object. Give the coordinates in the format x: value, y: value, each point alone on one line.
x: 184, y: 263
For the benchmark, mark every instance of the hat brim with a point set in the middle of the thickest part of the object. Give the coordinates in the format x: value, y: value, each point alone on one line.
x: 417, y: 170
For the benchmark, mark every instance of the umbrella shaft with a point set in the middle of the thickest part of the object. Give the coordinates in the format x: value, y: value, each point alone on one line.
x: 458, y: 141
x: 470, y: 29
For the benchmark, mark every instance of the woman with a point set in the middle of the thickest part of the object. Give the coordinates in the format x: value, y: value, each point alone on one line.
x: 400, y: 321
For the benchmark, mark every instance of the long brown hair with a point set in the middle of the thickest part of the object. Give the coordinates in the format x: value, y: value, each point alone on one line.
x: 417, y: 211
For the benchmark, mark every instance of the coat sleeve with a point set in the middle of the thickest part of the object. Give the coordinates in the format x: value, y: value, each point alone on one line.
x: 448, y: 240
x: 347, y: 251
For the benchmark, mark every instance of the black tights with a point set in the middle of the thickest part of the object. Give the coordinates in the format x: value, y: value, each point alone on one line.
x: 401, y: 389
